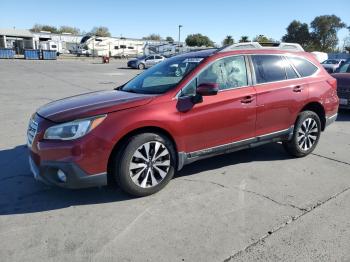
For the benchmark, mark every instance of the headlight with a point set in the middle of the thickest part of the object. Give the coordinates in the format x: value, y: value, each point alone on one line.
x: 74, y: 129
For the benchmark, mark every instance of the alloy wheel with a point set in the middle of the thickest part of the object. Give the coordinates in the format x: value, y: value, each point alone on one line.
x: 307, y: 134
x: 149, y: 164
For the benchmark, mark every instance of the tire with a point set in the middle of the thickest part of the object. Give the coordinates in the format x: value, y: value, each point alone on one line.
x: 141, y: 66
x: 139, y: 173
x: 306, y: 134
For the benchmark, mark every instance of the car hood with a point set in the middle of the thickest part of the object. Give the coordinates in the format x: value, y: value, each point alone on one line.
x: 92, y: 104
x: 343, y: 79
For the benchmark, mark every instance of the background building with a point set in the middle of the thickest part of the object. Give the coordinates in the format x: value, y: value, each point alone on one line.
x: 17, y: 39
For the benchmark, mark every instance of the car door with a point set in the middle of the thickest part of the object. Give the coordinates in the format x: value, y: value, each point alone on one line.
x: 226, y: 117
x: 280, y: 93
x: 158, y: 59
x: 149, y: 61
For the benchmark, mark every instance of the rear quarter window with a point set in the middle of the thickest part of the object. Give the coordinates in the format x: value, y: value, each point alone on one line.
x: 304, y: 67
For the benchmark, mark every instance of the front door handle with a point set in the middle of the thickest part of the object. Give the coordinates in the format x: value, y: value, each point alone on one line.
x: 247, y: 100
x: 297, y: 89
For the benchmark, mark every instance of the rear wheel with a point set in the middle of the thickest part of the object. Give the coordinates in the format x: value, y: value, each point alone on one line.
x: 141, y: 66
x: 307, y: 131
x: 145, y: 165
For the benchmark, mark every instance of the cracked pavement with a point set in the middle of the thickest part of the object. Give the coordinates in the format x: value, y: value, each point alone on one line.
x: 252, y: 205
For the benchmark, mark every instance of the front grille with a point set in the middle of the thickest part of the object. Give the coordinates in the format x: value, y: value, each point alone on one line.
x: 31, y: 132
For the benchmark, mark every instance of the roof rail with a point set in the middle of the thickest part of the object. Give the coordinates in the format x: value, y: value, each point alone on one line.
x: 256, y: 45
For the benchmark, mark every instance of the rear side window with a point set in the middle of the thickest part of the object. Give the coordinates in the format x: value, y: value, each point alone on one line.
x: 291, y: 74
x: 268, y: 68
x: 304, y: 67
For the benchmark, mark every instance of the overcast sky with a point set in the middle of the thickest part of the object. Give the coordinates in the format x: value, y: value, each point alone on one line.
x: 137, y: 18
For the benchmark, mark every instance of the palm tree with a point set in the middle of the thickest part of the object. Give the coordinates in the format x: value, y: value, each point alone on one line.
x: 228, y: 40
x: 244, y: 39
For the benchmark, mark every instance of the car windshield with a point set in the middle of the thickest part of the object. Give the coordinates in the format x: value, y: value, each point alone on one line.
x: 345, y: 68
x: 163, y: 76
x: 330, y: 62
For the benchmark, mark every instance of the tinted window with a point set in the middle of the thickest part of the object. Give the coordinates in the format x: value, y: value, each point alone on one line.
x: 345, y: 68
x: 116, y: 47
x: 228, y: 72
x: 268, y: 68
x: 158, y: 57
x: 150, y: 57
x: 304, y: 67
x: 122, y: 46
x: 289, y: 70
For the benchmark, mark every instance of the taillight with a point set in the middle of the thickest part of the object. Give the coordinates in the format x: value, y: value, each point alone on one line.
x: 333, y: 82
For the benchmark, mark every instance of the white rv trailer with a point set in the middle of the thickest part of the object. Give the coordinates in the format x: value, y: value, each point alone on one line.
x: 165, y: 48
x: 110, y: 46
x: 52, y: 46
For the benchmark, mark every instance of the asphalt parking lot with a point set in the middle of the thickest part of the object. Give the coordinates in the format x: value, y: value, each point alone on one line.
x: 253, y: 205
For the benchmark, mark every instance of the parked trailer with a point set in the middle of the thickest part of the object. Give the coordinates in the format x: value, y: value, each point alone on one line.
x: 110, y: 46
x: 6, y: 53
x: 32, y: 54
x: 52, y: 46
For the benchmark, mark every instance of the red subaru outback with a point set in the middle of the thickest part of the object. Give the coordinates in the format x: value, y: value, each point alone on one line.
x: 189, y: 107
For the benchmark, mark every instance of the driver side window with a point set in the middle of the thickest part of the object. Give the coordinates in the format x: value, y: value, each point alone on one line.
x: 229, y: 72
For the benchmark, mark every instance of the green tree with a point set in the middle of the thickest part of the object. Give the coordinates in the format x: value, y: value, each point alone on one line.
x: 38, y: 28
x: 228, y: 40
x: 155, y: 37
x: 347, y: 42
x: 262, y: 39
x: 69, y: 29
x: 298, y: 32
x: 169, y: 39
x: 198, y: 40
x: 244, y: 39
x: 100, y: 31
x: 324, y: 32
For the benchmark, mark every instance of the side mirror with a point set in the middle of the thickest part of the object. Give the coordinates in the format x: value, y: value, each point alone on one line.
x: 208, y: 89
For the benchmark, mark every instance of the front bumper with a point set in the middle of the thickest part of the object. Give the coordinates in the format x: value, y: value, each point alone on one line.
x: 132, y: 64
x: 75, y: 176
x: 83, y: 161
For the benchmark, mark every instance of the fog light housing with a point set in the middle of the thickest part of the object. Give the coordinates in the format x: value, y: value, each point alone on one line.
x: 61, y: 176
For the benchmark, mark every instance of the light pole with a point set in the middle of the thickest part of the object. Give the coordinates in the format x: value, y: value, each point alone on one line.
x: 179, y: 33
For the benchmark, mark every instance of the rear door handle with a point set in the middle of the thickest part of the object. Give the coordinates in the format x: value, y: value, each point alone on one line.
x: 247, y: 100
x: 297, y: 89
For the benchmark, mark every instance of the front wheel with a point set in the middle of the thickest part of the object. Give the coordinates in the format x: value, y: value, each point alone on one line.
x: 141, y: 66
x: 307, y: 132
x: 146, y: 164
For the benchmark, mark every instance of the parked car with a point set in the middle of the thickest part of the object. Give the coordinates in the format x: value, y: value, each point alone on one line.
x: 332, y: 64
x: 145, y: 61
x: 144, y: 131
x: 342, y: 74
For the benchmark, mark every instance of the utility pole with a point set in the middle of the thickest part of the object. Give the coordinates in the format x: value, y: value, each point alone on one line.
x: 180, y: 33
x: 178, y: 44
